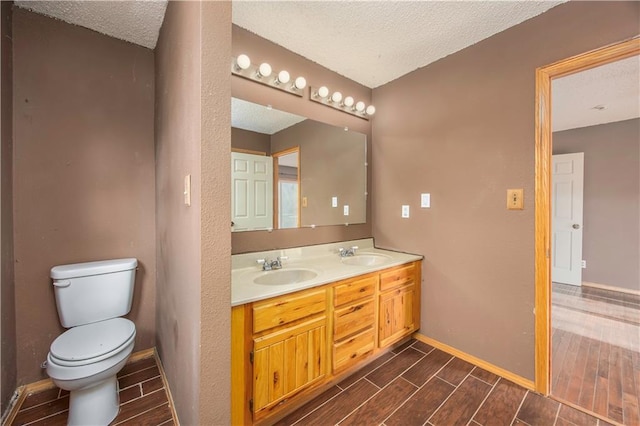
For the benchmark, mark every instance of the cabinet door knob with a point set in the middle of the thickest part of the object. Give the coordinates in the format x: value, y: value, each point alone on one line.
x: 575, y: 226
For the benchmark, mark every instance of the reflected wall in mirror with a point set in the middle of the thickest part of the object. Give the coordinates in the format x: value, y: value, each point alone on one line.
x: 289, y: 171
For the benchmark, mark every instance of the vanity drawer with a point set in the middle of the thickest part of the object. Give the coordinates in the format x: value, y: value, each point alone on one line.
x: 290, y: 307
x: 397, y: 277
x: 353, y: 318
x: 350, y: 351
x: 352, y: 290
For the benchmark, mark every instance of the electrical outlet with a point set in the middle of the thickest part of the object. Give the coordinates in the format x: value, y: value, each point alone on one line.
x: 346, y: 210
x: 187, y: 190
x: 334, y: 201
x: 425, y: 201
x: 405, y: 211
x: 584, y: 264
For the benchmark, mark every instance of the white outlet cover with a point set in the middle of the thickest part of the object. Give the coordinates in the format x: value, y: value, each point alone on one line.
x: 405, y: 211
x: 425, y: 201
x: 346, y: 210
x: 334, y: 201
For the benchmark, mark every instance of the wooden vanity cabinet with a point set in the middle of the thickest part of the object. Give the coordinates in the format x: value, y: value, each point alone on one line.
x: 399, y: 303
x: 285, y: 347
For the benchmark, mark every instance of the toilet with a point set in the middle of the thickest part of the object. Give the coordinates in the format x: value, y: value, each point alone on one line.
x: 91, y: 298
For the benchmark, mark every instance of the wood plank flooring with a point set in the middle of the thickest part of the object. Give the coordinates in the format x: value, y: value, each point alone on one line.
x: 417, y: 384
x: 596, y: 351
x: 143, y: 400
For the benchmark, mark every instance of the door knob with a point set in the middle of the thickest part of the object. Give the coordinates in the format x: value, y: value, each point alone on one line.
x: 575, y: 226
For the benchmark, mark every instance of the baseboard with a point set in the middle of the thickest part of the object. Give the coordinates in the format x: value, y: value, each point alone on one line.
x: 611, y: 288
x: 519, y: 380
x: 174, y: 415
x: 45, y: 384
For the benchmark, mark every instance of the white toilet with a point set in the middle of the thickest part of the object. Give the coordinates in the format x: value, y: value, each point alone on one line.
x: 91, y: 297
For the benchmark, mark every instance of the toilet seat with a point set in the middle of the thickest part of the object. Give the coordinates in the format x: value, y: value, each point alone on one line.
x: 91, y: 343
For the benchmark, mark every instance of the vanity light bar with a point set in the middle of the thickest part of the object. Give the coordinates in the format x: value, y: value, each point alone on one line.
x: 336, y: 100
x: 263, y: 74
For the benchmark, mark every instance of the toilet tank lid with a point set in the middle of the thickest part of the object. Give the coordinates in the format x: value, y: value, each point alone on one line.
x: 86, y: 269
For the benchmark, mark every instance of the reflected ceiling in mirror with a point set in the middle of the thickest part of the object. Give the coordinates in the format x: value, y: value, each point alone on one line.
x: 289, y: 171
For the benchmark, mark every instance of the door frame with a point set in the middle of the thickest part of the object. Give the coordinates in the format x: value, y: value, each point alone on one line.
x: 544, y: 75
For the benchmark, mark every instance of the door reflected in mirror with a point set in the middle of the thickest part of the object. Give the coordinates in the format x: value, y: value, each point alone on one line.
x: 317, y: 171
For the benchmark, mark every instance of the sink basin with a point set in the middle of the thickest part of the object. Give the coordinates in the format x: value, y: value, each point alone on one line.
x: 285, y: 276
x: 369, y: 259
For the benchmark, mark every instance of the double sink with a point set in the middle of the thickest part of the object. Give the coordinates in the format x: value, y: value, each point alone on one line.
x: 300, y: 275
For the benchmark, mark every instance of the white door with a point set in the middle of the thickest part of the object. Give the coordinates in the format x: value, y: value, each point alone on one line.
x: 252, y: 192
x: 566, y: 218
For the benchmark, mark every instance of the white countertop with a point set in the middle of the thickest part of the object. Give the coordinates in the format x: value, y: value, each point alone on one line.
x: 322, y: 259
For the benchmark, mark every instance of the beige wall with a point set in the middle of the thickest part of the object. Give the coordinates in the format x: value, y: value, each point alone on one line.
x: 331, y: 165
x: 193, y: 252
x: 83, y: 170
x: 254, y: 141
x: 261, y: 50
x: 462, y: 129
x: 611, y: 237
x: 8, y: 369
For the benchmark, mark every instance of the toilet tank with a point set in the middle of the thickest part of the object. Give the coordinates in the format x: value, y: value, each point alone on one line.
x: 93, y: 291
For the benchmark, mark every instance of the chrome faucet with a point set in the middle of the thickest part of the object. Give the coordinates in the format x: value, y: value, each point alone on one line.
x: 347, y: 252
x: 270, y: 265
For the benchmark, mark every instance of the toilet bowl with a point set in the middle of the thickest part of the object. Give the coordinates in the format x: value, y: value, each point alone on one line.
x: 85, y: 361
x: 91, y: 299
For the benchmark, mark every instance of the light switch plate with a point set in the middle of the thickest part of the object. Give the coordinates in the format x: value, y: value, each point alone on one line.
x: 304, y: 201
x: 515, y: 199
x: 425, y: 201
x: 334, y: 201
x: 405, y: 211
x: 346, y: 210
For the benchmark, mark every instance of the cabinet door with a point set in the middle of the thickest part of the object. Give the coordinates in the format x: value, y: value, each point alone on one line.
x: 396, y: 318
x: 288, y: 361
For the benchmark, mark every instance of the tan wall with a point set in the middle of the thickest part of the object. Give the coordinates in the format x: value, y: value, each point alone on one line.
x: 254, y: 141
x: 8, y: 369
x: 331, y: 165
x: 611, y: 237
x: 462, y: 129
x: 83, y: 170
x: 261, y: 50
x: 193, y: 137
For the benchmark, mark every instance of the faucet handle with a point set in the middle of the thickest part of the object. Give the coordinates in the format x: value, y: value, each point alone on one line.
x: 354, y: 248
x: 261, y: 261
x: 340, y: 250
x: 283, y: 257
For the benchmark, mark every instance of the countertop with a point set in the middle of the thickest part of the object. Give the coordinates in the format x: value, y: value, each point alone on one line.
x: 322, y: 259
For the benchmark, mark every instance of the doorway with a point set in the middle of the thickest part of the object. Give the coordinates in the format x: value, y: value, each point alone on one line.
x: 544, y: 238
x: 286, y: 183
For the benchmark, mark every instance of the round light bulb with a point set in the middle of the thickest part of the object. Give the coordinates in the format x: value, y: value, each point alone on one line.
x: 348, y: 101
x: 265, y: 69
x: 300, y: 83
x: 371, y: 110
x: 336, y: 97
x: 360, y: 106
x: 283, y: 77
x: 243, y: 62
x: 323, y: 92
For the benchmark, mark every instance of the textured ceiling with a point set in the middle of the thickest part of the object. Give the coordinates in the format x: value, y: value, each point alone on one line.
x: 133, y: 21
x: 258, y: 118
x: 615, y: 86
x: 374, y: 42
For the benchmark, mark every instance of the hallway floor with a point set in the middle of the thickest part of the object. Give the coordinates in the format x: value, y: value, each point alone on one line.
x: 143, y: 400
x: 417, y: 384
x: 596, y: 351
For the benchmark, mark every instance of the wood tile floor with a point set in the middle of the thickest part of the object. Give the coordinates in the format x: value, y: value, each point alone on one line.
x: 143, y: 400
x: 417, y: 384
x: 596, y: 351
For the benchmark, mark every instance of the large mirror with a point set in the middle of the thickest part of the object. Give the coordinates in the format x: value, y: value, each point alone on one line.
x: 288, y: 171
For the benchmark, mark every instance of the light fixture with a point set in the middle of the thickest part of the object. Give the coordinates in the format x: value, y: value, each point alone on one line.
x: 337, y: 101
x: 263, y: 74
x: 243, y: 62
x: 300, y: 83
x: 348, y: 101
x: 283, y: 77
x: 322, y: 92
x: 264, y: 70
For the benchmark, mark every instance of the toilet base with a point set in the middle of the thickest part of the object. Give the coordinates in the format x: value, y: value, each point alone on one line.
x: 96, y: 405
